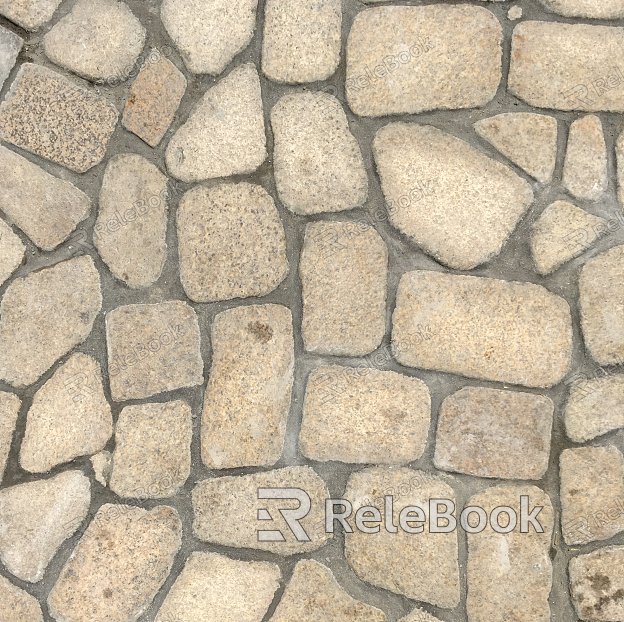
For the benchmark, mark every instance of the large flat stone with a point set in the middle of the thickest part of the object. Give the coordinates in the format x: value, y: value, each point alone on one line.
x: 598, y: 9
x: 18, y: 605
x: 11, y: 251
x: 29, y: 14
x: 10, y: 47
x: 9, y: 407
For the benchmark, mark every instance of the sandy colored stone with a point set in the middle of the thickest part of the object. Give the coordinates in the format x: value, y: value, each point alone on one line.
x: 318, y: 163
x: 619, y: 152
x: 18, y: 605
x: 419, y: 615
x: 379, y: 417
x: 118, y: 565
x: 102, y: 466
x: 457, y: 204
x: 247, y: 398
x: 598, y: 9
x: 37, y: 517
x: 29, y: 14
x: 231, y: 242
x: 10, y: 47
x: 11, y: 251
x: 483, y: 328
x: 409, y: 59
x: 514, y: 13
x: 344, y: 279
x: 9, y: 407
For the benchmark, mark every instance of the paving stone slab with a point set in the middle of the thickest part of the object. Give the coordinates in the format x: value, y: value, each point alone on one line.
x: 18, y: 605
x: 9, y: 407
x: 619, y: 152
x: 419, y: 615
x: 11, y: 252
x: 10, y: 47
x: 29, y: 14
x: 597, y: 9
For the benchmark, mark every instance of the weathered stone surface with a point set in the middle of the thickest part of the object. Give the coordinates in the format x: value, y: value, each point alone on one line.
x: 132, y: 220
x: 318, y: 163
x: 404, y: 59
x: 48, y: 115
x: 231, y: 242
x: 118, y: 566
x: 152, y: 348
x: 102, y: 465
x: 226, y: 510
x: 10, y: 46
x: 224, y: 134
x: 29, y: 14
x: 428, y: 569
x: 11, y: 251
x: 453, y: 201
x: 17, y: 605
x: 44, y: 315
x: 619, y: 152
x: 344, y: 280
x: 483, y: 328
x: 247, y: 399
x: 9, y: 407
x: 419, y: 615
x: 37, y: 517
x: 380, y: 417
x: 599, y: 9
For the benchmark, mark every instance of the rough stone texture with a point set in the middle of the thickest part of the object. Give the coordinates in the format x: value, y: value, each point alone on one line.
x: 225, y: 510
x: 44, y: 315
x: 9, y: 407
x: 344, y: 279
x: 11, y: 251
x: 37, y: 517
x: 132, y: 220
x: 317, y: 161
x: 510, y: 575
x: 45, y: 208
x: 599, y: 9
x: 453, y: 201
x: 118, y: 566
x: 441, y: 57
x: 48, y: 115
x: 102, y: 465
x: 152, y: 348
x: 514, y: 13
x: 619, y: 152
x: 29, y: 14
x: 527, y: 139
x: 98, y: 40
x: 379, y: 417
x: 224, y: 134
x: 483, y: 328
x: 493, y: 433
x: 247, y: 399
x: 428, y: 570
x: 419, y: 615
x: 313, y: 594
x: 213, y: 587
x: 69, y: 417
x: 301, y: 40
x: 152, y: 457
x: 231, y: 242
x: 10, y: 46
x: 209, y: 33
x: 17, y: 605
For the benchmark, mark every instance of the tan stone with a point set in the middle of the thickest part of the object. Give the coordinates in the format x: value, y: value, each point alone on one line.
x: 102, y: 465
x: 9, y: 407
x: 419, y: 615
x: 598, y: 9
x: 619, y: 152
x: 11, y: 251
x: 10, y: 47
x: 18, y: 605
x: 29, y: 14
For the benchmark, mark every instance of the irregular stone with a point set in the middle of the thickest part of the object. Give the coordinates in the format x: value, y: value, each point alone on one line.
x: 514, y: 13
x: 152, y: 348
x: 11, y: 251
x: 44, y: 315
x: 419, y: 615
x: 483, y: 328
x: 314, y: 594
x: 427, y: 568
x: 301, y: 40
x: 18, y: 605
x: 527, y: 139
x: 247, y: 398
x: 441, y: 192
x: 344, y: 279
x: 29, y: 14
x: 209, y: 34
x: 10, y: 47
x: 231, y: 242
x: 408, y: 59
x: 619, y: 152
x: 132, y: 220
x: 317, y: 161
x: 226, y: 509
x: 9, y: 407
x: 102, y: 465
x: 215, y: 587
x: 48, y: 115
x: 380, y: 417
x: 37, y: 517
x: 224, y: 134
x: 598, y: 9
x: 118, y: 566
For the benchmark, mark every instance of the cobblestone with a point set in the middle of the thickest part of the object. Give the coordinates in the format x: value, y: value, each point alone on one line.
x: 9, y: 407
x: 10, y: 47
x: 11, y: 251
x: 29, y: 14
x: 17, y: 604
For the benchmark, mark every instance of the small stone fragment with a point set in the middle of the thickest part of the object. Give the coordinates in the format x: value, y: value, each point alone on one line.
x: 29, y: 14
x: 419, y: 615
x: 231, y: 242
x: 10, y: 47
x: 515, y: 13
x: 102, y: 465
x: 9, y: 407
x: 597, y: 9
x: 247, y: 399
x: 11, y: 251
x: 37, y: 517
x: 619, y: 152
x: 317, y: 161
x: 17, y: 605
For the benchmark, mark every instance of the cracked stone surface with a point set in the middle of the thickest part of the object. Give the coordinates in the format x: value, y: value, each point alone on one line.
x: 10, y: 47
x: 11, y: 251
x: 9, y: 407
x: 598, y: 9
x: 29, y: 14
x: 18, y: 605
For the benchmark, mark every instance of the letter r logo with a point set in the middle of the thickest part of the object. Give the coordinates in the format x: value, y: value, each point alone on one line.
x: 291, y: 516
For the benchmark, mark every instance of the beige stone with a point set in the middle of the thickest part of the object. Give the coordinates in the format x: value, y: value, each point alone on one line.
x: 102, y: 465
x: 9, y: 407
x: 10, y: 47
x: 11, y: 251
x: 419, y: 615
x: 29, y: 14
x: 18, y: 605
x: 598, y: 9
x: 514, y: 13
x: 619, y: 152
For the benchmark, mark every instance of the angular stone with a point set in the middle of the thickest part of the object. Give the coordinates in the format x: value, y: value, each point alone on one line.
x: 428, y: 568
x: 441, y: 192
x: 44, y: 315
x: 102, y: 465
x: 224, y: 134
x: 419, y: 615
x: 344, y: 279
x: 247, y: 398
x: 18, y: 605
x: 619, y: 152
x: 29, y: 14
x: 231, y: 242
x: 118, y: 566
x: 37, y: 517
x: 11, y: 251
x: 598, y: 9
x: 132, y: 220
x: 215, y: 587
x: 408, y: 59
x: 483, y: 328
x: 9, y: 407
x: 317, y: 161
x: 527, y: 139
x: 380, y: 417
x: 152, y: 348
x: 225, y: 510
x: 10, y: 47
x: 48, y: 115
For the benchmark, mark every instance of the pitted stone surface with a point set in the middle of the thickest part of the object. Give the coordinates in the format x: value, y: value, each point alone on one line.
x: 18, y: 605
x: 29, y: 14
x: 10, y: 47
x: 9, y: 407
x: 598, y: 9
x: 11, y: 251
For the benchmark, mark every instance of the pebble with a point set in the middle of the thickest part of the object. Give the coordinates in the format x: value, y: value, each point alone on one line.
x: 102, y: 466
x: 601, y: 9
x: 29, y: 14
x: 18, y: 605
x: 9, y: 407
x: 11, y: 251
x: 10, y: 47
x: 514, y: 13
